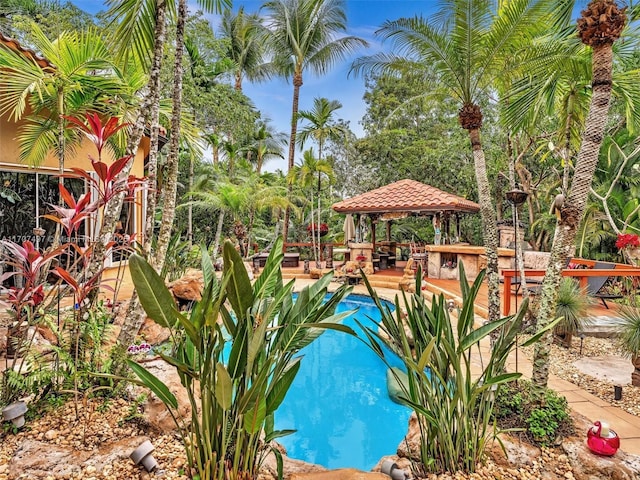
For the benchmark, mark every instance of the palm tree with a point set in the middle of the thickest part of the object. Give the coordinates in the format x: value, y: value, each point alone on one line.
x: 42, y: 92
x: 322, y: 126
x: 599, y: 26
x: 304, y: 36
x: 310, y: 175
x: 266, y: 144
x: 470, y: 43
x: 246, y: 36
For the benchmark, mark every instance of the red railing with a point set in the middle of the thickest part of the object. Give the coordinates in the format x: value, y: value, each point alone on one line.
x: 619, y: 270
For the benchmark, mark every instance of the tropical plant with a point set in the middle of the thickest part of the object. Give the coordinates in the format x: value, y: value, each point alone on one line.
x: 305, y: 35
x: 28, y: 267
x: 517, y: 408
x: 572, y: 305
x: 629, y: 339
x: 42, y: 93
x: 238, y: 362
x: 454, y: 406
x: 599, y: 26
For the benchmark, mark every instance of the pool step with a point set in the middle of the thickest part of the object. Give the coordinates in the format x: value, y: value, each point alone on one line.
x: 342, y: 474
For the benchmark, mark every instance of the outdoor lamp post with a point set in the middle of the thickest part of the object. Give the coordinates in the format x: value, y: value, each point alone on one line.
x: 516, y: 197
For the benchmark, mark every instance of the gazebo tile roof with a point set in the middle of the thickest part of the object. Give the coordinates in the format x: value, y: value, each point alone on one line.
x: 406, y: 196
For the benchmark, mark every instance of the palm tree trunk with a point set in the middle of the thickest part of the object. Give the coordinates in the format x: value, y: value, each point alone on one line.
x: 573, y: 208
x: 216, y: 241
x: 490, y: 229
x: 171, y: 182
x: 190, y: 211
x: 297, y: 83
x: 318, y: 262
x: 112, y: 209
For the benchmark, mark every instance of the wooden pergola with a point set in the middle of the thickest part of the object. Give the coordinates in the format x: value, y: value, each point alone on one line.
x: 403, y: 198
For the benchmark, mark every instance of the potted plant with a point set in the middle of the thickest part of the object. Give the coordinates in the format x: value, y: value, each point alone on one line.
x: 629, y: 337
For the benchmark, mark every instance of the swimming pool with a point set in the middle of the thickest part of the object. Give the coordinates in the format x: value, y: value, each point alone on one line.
x: 338, y: 402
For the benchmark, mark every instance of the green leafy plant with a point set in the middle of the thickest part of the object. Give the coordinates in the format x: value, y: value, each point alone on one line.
x: 542, y: 421
x: 234, y: 395
x: 572, y: 305
x: 453, y: 403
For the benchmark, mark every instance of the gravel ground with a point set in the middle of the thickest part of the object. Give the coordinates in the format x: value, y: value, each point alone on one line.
x: 562, y: 365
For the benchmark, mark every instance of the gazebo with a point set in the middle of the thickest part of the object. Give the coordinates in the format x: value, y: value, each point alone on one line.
x: 403, y: 198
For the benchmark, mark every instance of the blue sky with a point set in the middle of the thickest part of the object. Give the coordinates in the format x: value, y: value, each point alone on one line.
x: 274, y: 98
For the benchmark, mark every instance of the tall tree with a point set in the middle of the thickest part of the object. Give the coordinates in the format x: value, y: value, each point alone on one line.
x: 599, y: 26
x: 142, y: 31
x: 310, y: 175
x: 469, y: 43
x: 265, y: 144
x: 322, y: 125
x: 304, y: 34
x: 245, y: 35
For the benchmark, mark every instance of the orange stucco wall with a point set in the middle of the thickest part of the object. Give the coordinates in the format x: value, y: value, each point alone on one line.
x: 10, y: 157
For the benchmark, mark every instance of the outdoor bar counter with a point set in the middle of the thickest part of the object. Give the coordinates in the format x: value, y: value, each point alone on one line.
x: 444, y: 259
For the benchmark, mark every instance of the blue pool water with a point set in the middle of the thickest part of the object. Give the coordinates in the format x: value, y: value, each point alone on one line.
x: 338, y: 402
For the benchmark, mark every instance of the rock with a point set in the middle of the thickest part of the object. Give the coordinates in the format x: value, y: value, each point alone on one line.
x: 517, y: 452
x: 269, y: 471
x: 342, y: 474
x: 315, y: 273
x: 155, y: 412
x: 153, y: 333
x: 36, y: 460
x: 41, y: 339
x: 39, y: 460
x: 586, y: 465
x: 188, y: 288
x: 410, y: 446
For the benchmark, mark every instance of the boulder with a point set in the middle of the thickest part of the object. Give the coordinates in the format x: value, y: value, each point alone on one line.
x: 154, y: 410
x: 153, y: 333
x: 187, y: 288
x: 517, y: 452
x: 409, y: 447
x: 291, y: 466
x: 587, y: 465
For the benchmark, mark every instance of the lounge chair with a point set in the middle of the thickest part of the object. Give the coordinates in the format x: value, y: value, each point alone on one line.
x: 595, y: 284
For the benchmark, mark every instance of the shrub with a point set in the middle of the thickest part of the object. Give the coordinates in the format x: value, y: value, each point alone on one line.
x: 543, y: 422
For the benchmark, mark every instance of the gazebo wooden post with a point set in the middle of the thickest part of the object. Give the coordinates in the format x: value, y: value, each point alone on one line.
x: 388, y: 231
x: 373, y: 232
